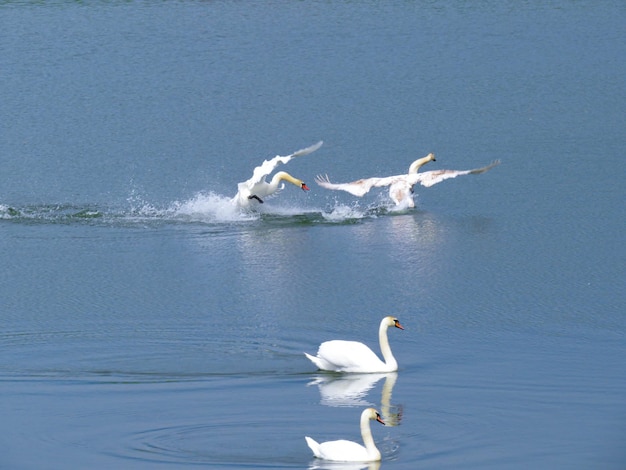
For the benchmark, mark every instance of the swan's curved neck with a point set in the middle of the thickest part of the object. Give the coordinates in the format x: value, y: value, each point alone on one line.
x: 368, y: 439
x: 283, y: 175
x: 417, y: 164
x: 385, y: 349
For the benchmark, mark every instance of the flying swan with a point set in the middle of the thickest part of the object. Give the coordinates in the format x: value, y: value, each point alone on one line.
x: 256, y: 188
x: 352, y: 356
x: 348, y: 451
x: 401, y: 186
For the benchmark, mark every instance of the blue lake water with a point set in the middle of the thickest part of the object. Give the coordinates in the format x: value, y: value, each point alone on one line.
x: 146, y: 323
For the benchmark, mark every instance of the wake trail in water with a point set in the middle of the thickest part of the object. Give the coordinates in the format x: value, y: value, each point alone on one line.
x: 201, y: 208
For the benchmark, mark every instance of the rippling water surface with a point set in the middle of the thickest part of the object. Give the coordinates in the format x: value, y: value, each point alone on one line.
x: 148, y: 323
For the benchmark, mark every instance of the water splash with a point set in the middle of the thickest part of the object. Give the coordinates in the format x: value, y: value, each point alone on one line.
x: 340, y: 213
x: 202, y: 207
x: 7, y: 212
x: 211, y: 207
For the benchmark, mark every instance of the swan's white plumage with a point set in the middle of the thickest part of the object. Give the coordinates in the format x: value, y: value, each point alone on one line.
x: 401, y: 186
x: 351, y: 389
x: 257, y: 186
x: 347, y: 451
x: 352, y: 356
x: 430, y: 178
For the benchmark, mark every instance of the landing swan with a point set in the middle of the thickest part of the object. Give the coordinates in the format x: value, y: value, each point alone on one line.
x: 256, y: 188
x: 348, y: 451
x: 352, y: 356
x: 401, y: 186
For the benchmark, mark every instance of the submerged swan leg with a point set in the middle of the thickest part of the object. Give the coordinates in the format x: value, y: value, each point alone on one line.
x: 254, y: 196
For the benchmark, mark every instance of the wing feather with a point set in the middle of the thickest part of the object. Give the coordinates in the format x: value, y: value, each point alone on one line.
x: 360, y: 187
x: 265, y: 168
x: 343, y: 450
x: 430, y: 178
x: 347, y: 355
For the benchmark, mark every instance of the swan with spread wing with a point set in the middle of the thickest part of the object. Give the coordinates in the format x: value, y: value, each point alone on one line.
x: 252, y: 191
x: 401, y: 186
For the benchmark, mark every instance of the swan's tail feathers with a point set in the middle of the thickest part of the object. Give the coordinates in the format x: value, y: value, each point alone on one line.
x: 478, y: 171
x: 313, y: 359
x: 307, y: 150
x: 313, y: 445
x: 317, y: 361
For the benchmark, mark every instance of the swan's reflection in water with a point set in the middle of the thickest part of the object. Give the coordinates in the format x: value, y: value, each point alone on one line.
x: 325, y: 465
x: 351, y: 390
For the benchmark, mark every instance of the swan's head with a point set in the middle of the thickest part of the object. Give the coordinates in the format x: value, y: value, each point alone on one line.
x: 392, y: 321
x: 371, y: 413
x: 417, y: 164
x: 283, y: 175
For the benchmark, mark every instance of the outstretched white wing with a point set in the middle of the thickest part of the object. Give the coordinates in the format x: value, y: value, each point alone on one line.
x: 360, y: 187
x: 430, y: 178
x: 401, y: 185
x: 268, y: 166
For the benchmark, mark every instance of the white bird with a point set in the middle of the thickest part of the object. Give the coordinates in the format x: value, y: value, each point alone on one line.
x: 256, y: 188
x: 348, y: 451
x: 352, y: 356
x: 401, y: 186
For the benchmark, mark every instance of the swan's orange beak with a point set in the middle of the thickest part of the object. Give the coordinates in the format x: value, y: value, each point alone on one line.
x: 380, y: 420
x: 398, y: 325
x: 305, y: 187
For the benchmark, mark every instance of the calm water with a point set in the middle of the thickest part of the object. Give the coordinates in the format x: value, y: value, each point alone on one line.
x: 147, y: 324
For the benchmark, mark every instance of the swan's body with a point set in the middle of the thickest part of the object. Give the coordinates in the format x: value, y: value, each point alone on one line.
x: 252, y: 191
x: 348, y: 451
x: 352, y: 356
x: 401, y: 186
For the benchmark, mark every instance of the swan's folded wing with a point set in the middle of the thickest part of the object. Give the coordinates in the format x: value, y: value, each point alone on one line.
x: 348, y: 356
x: 357, y: 188
x: 268, y: 166
x: 430, y: 178
x: 342, y: 450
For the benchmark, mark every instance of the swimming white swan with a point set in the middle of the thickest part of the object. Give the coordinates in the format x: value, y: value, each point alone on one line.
x: 352, y: 356
x: 401, y: 186
x: 348, y: 451
x: 256, y: 188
